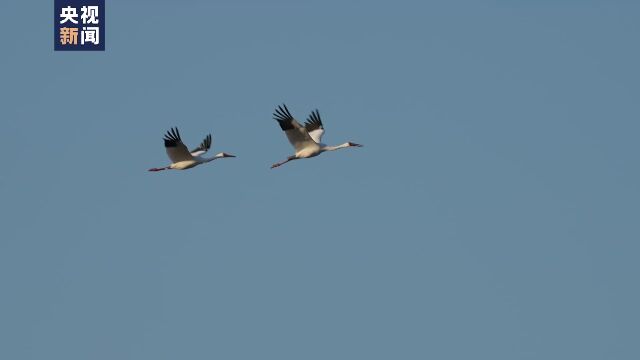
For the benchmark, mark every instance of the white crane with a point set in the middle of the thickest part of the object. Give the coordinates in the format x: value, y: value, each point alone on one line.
x: 306, y: 140
x: 181, y: 158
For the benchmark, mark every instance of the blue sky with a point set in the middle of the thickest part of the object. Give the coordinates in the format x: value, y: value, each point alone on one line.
x: 492, y: 213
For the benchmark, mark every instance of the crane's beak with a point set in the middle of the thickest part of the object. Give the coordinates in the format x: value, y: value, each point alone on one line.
x: 356, y: 145
x: 227, y: 155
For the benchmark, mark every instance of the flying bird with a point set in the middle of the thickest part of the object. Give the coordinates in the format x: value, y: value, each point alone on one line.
x: 307, y: 139
x: 181, y: 158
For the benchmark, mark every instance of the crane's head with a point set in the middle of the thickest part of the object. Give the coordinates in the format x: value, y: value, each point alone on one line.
x: 224, y: 155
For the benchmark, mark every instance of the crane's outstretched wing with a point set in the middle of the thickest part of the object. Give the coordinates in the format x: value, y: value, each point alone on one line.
x: 314, y: 126
x: 204, y: 146
x: 296, y: 133
x: 176, y: 150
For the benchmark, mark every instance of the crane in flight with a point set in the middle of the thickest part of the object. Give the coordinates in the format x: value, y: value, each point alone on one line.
x: 307, y: 139
x: 181, y: 158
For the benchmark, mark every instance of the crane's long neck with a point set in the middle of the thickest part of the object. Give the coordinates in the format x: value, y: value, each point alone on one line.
x: 206, y: 160
x: 337, y: 147
x: 217, y: 156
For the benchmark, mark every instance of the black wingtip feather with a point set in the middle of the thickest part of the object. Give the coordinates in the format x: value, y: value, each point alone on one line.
x: 204, y: 145
x: 172, y: 138
x: 283, y: 117
x: 313, y: 121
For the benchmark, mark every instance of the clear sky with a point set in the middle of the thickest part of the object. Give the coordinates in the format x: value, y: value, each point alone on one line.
x: 492, y: 214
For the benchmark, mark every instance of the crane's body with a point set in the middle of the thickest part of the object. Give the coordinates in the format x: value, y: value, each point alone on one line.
x: 309, y: 152
x: 181, y: 158
x: 187, y: 164
x: 306, y: 140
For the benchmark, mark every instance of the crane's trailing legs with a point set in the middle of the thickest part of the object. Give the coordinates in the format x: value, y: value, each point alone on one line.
x: 283, y: 162
x: 160, y: 169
